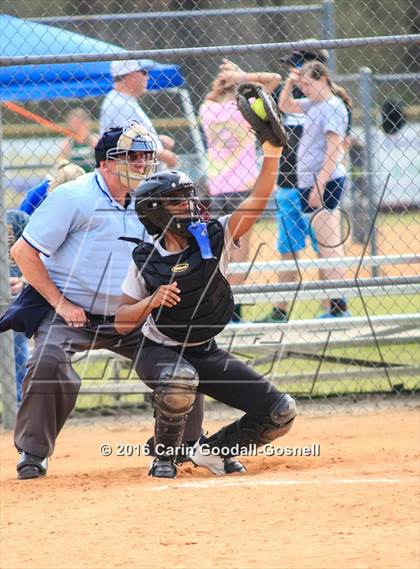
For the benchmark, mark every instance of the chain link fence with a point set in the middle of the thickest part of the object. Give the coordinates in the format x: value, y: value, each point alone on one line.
x: 51, y: 112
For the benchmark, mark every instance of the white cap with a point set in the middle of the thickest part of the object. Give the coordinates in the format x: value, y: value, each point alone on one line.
x: 120, y: 68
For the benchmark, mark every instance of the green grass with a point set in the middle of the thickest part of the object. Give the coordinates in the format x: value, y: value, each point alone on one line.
x: 407, y: 354
x: 375, y: 305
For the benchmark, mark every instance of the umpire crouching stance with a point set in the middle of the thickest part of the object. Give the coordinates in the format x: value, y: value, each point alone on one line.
x: 177, y: 286
x: 71, y: 255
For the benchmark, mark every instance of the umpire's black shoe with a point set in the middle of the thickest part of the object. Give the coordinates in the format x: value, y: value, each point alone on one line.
x: 31, y: 466
x: 163, y: 468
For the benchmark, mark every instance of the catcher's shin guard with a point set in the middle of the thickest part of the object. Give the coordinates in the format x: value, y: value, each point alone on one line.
x: 248, y: 432
x: 173, y: 399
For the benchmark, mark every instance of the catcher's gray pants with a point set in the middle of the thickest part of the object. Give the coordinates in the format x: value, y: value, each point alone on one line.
x: 51, y: 385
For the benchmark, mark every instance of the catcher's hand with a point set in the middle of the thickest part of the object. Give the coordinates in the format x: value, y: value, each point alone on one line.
x: 260, y: 110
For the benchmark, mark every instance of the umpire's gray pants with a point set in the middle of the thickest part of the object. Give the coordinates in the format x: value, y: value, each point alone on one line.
x: 51, y: 385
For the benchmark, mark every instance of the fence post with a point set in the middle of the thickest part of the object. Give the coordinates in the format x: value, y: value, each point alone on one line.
x: 367, y: 99
x: 329, y: 29
x: 7, y: 358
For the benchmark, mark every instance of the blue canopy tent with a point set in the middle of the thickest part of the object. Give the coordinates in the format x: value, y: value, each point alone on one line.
x: 25, y: 83
x: 52, y: 81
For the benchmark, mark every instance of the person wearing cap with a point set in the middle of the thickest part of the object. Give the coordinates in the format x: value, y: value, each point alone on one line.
x: 16, y: 221
x: 71, y: 256
x: 293, y: 226
x: 121, y: 105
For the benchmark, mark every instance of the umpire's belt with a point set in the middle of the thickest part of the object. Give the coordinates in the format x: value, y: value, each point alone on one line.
x: 97, y: 319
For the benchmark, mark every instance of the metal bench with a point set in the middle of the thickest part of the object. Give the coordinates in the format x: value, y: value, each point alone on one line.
x: 304, y: 339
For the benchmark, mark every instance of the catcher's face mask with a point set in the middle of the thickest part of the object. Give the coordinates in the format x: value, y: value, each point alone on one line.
x: 134, y: 155
x: 182, y: 203
x: 168, y: 201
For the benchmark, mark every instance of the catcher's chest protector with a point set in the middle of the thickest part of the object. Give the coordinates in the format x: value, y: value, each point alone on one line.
x: 206, y: 298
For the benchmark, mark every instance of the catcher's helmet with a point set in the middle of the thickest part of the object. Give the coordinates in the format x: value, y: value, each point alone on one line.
x: 120, y: 143
x: 163, y: 188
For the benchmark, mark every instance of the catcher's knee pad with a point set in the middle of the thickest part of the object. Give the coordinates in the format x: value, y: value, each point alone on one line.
x: 282, y: 415
x: 258, y: 431
x: 175, y: 393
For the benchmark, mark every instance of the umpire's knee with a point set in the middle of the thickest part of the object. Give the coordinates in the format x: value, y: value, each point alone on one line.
x: 51, y: 366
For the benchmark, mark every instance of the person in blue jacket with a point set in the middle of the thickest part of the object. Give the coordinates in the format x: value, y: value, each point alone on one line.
x: 65, y: 171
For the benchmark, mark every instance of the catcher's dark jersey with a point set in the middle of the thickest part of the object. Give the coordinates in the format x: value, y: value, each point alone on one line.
x: 207, y: 300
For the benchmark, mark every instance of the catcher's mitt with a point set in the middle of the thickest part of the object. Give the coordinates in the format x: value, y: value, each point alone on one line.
x: 269, y: 128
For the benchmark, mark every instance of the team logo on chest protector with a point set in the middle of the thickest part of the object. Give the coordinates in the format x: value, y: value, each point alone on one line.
x: 180, y: 268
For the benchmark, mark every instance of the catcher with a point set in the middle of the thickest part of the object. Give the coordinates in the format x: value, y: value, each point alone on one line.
x: 177, y: 287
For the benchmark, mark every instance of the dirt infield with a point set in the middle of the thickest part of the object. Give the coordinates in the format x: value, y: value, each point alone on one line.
x: 354, y: 506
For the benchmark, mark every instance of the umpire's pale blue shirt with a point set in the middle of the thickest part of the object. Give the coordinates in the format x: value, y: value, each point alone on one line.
x: 77, y: 229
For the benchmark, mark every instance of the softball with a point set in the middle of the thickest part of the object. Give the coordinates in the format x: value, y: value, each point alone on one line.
x: 258, y: 107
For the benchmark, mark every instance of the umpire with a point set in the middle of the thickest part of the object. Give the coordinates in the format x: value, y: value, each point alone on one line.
x: 71, y: 256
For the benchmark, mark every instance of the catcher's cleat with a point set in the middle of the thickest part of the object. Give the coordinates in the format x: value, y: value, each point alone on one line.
x: 163, y: 468
x: 233, y: 466
x: 183, y: 452
x: 217, y: 465
x: 31, y: 466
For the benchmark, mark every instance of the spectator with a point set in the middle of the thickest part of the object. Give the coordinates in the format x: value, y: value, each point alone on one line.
x: 232, y: 159
x: 79, y: 149
x: 321, y: 174
x: 120, y: 106
x: 15, y: 224
x: 293, y: 226
x: 64, y: 172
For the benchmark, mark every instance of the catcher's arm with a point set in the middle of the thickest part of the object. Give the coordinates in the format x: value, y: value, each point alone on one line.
x: 133, y: 312
x: 272, y: 136
x: 245, y: 216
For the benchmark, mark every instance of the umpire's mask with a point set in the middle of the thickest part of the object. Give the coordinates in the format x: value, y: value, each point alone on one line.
x: 133, y: 149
